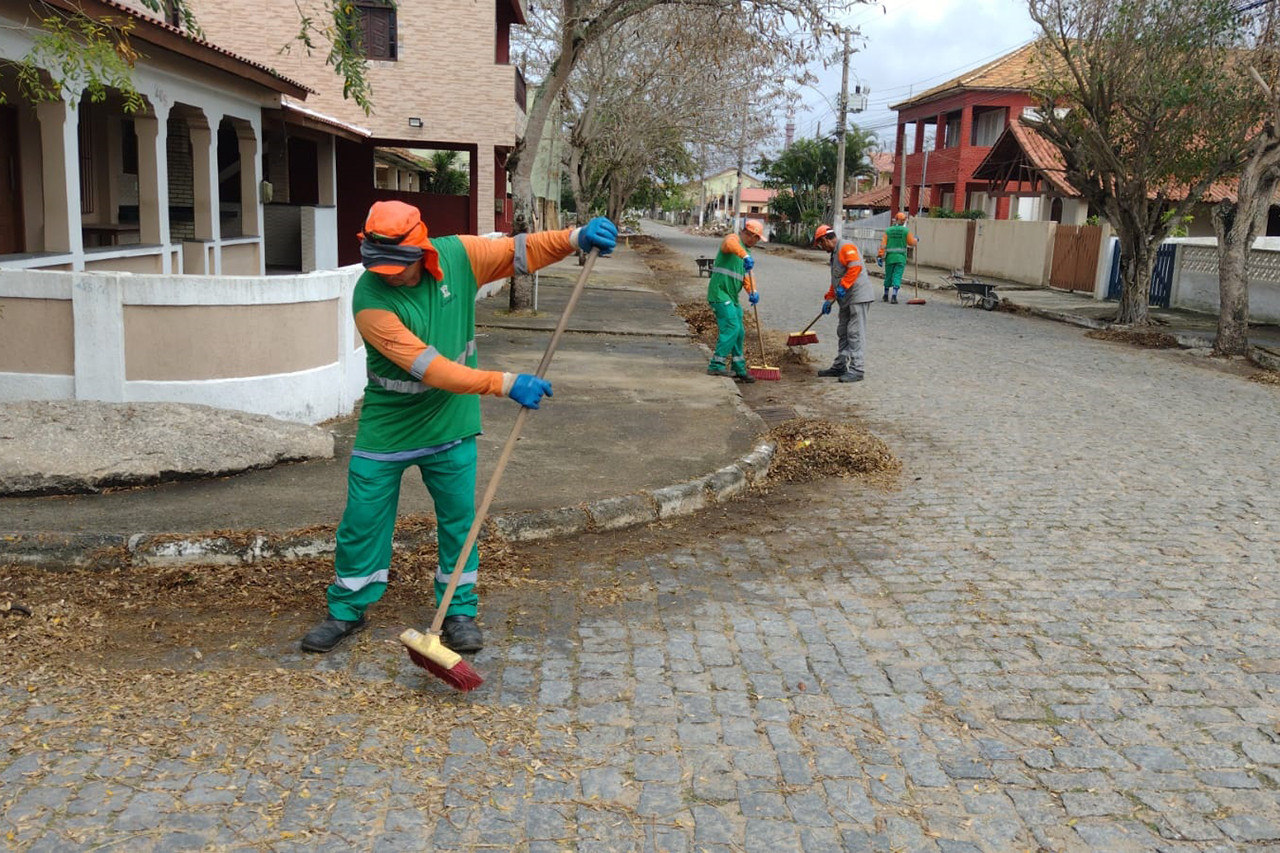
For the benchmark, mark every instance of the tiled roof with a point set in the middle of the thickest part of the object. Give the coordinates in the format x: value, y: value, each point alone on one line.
x: 163, y: 34
x: 881, y: 161
x: 871, y: 198
x: 1017, y: 70
x: 758, y: 194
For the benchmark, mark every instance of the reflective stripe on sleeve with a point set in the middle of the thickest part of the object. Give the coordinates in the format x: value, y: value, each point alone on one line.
x: 736, y: 276
x: 358, y: 583
x: 522, y: 253
x: 418, y: 368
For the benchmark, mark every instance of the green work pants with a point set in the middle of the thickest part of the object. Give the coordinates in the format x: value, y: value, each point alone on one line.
x: 893, y: 274
x: 364, y: 535
x: 732, y: 334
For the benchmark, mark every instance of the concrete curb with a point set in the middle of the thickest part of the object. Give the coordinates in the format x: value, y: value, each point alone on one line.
x: 605, y: 514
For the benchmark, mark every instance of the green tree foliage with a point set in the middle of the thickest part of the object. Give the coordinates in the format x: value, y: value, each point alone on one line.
x: 1149, y: 106
x: 444, y: 177
x: 72, y: 55
x: 804, y: 173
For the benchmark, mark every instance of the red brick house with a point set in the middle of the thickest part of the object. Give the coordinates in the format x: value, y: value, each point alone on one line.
x: 967, y: 115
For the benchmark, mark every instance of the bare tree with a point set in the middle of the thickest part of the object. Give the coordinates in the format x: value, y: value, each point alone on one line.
x: 1148, y: 109
x: 783, y: 26
x: 659, y: 88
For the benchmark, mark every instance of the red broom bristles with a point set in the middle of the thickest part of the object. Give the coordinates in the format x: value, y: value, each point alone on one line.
x: 428, y: 652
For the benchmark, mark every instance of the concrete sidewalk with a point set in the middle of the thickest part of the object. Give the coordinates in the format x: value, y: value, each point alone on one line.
x: 1191, y: 329
x: 636, y: 431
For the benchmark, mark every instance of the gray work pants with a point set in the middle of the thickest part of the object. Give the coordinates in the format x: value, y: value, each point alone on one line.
x: 851, y: 331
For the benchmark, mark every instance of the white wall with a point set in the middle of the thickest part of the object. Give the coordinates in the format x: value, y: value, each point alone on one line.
x: 1195, y: 283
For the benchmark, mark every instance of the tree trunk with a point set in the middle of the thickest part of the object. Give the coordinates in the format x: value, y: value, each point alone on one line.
x: 1234, y: 240
x: 1236, y: 225
x: 526, y: 152
x: 1136, y: 260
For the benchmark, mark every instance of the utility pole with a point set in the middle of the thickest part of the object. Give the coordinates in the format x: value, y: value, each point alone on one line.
x: 838, y: 190
x: 742, y: 156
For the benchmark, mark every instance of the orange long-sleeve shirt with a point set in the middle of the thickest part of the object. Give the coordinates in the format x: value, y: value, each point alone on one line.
x: 491, y: 259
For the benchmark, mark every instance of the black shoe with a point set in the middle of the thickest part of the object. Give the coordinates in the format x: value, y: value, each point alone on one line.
x: 326, y: 636
x: 744, y: 378
x: 852, y: 376
x: 833, y: 370
x: 894, y: 300
x: 885, y: 298
x: 462, y: 634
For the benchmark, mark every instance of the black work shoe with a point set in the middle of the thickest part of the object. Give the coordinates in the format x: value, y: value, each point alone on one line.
x: 833, y: 370
x: 744, y: 378
x: 326, y: 636
x: 852, y: 376
x: 722, y: 371
x: 885, y: 298
x: 894, y: 300
x: 462, y: 634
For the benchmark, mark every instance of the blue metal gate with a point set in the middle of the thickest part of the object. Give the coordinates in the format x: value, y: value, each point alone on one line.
x: 1161, y: 276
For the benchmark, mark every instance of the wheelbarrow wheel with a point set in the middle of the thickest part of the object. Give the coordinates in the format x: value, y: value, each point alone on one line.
x: 990, y: 301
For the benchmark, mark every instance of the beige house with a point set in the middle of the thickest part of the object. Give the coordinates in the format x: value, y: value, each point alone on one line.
x: 441, y: 78
x: 173, y: 187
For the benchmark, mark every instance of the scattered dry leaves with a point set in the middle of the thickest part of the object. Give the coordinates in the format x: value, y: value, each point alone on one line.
x: 1266, y: 377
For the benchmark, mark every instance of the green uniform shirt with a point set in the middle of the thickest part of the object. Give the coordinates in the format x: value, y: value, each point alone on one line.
x: 442, y: 314
x: 726, y: 276
x: 895, y: 250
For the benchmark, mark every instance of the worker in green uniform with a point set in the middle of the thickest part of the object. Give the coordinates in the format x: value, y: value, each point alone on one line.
x: 731, y: 273
x: 893, y: 255
x: 415, y: 310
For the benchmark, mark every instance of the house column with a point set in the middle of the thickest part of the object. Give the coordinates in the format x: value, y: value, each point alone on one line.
x: 204, y: 190
x: 250, y: 178
x: 60, y: 162
x: 896, y: 194
x: 153, y: 180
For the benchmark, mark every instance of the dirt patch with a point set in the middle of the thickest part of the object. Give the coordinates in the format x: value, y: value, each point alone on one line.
x: 811, y: 448
x: 1148, y: 338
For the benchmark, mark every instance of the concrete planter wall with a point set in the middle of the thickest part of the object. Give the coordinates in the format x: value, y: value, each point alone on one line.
x: 284, y: 346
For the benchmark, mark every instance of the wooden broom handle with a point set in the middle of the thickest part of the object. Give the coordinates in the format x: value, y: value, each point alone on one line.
x: 759, y: 334
x: 482, y: 511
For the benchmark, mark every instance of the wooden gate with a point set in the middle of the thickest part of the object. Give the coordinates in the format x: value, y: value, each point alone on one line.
x: 1075, y: 257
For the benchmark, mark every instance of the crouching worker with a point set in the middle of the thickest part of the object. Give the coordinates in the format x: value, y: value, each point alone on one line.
x: 415, y: 310
x: 730, y: 274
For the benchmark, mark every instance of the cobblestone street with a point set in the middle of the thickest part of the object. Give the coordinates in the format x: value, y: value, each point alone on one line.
x: 1062, y: 632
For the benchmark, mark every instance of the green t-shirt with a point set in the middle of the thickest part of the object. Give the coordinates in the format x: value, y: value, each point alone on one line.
x: 442, y: 314
x: 727, y: 275
x: 895, y: 249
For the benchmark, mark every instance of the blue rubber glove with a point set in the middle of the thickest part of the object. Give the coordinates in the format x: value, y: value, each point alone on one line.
x: 528, y: 390
x: 840, y: 292
x: 748, y: 263
x: 826, y: 306
x: 754, y: 297
x: 879, y: 262
x: 600, y: 234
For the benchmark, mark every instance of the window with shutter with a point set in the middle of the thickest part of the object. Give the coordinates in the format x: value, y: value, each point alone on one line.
x: 377, y: 31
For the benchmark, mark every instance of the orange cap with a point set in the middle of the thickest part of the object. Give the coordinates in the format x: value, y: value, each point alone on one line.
x: 395, y: 223
x: 900, y: 217
x: 823, y: 230
x: 755, y: 227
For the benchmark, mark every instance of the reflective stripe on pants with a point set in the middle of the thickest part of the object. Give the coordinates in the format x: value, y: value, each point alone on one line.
x: 729, y: 341
x: 368, y: 524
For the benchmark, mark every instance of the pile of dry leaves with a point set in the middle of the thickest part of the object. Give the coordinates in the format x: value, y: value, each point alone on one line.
x: 810, y: 448
x: 1266, y: 377
x: 1148, y: 338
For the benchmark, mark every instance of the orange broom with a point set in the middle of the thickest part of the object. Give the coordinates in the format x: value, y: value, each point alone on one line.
x: 426, y: 650
x: 765, y: 372
x: 804, y: 337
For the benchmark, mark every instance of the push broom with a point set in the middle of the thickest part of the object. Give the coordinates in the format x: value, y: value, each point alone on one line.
x: 762, y: 371
x: 804, y: 337
x: 916, y: 300
x: 426, y: 650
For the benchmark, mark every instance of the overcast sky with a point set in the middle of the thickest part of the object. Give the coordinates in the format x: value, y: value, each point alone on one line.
x: 909, y: 46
